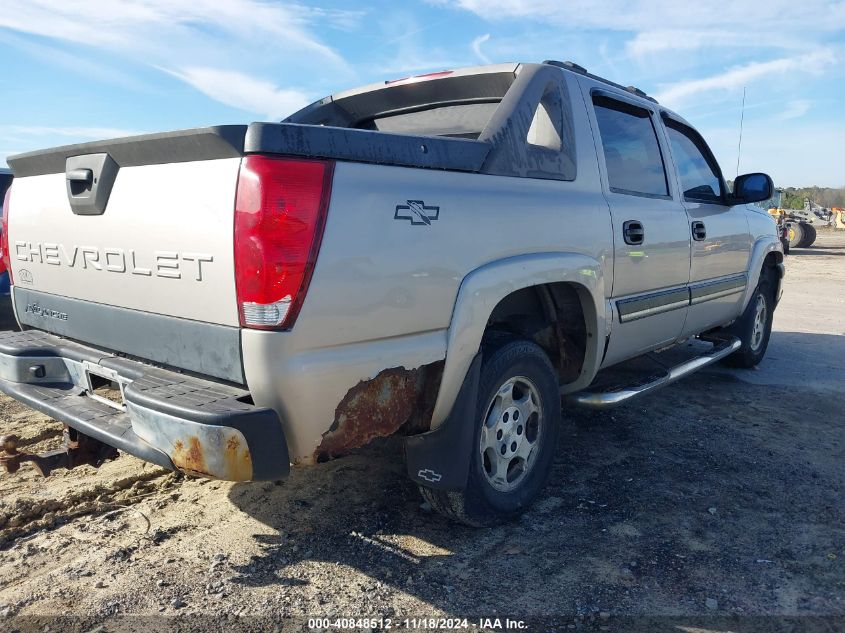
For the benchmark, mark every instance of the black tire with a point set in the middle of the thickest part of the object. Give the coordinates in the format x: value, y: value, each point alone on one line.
x: 795, y: 234
x: 754, y: 341
x: 480, y: 503
x: 809, y: 235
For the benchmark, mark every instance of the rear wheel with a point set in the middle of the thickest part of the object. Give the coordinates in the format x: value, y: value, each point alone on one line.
x: 517, y: 424
x: 753, y: 328
x: 795, y: 234
x: 809, y: 235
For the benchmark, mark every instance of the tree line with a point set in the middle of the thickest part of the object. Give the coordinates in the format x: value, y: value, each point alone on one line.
x: 793, y: 197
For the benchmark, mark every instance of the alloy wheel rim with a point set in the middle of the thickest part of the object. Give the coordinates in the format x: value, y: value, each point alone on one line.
x: 759, y: 331
x: 510, y: 436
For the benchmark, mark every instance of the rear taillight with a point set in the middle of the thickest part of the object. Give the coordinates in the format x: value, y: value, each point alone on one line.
x: 280, y: 213
x: 4, y: 237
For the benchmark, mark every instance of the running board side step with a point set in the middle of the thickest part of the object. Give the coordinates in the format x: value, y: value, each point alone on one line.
x: 623, y: 393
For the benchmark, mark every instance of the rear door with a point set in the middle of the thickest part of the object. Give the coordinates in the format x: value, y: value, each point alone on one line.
x: 650, y: 230
x: 721, y: 241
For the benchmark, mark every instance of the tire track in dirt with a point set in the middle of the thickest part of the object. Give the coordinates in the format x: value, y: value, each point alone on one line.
x: 25, y: 515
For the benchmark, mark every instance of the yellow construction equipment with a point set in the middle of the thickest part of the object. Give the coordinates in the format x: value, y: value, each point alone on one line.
x: 838, y: 217
x: 795, y: 232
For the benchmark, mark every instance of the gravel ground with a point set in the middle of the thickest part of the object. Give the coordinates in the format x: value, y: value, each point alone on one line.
x: 715, y: 504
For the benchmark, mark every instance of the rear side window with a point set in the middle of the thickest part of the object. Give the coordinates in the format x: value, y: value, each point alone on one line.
x: 631, y: 151
x: 700, y: 178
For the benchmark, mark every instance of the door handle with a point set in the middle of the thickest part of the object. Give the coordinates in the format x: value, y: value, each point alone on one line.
x: 633, y: 232
x: 699, y: 231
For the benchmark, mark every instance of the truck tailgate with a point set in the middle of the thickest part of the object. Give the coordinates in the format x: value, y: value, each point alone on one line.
x: 163, y: 244
x: 147, y: 269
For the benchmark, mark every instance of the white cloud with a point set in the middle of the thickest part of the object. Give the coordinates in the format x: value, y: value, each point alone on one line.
x: 795, y: 109
x: 404, y: 50
x: 658, y: 41
x: 642, y: 15
x: 149, y: 24
x: 77, y: 64
x: 814, y: 62
x: 658, y: 26
x: 476, y: 47
x: 222, y: 36
x: 243, y: 91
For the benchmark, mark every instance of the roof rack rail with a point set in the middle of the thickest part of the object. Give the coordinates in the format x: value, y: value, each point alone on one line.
x: 583, y: 71
x: 568, y: 65
x: 639, y: 93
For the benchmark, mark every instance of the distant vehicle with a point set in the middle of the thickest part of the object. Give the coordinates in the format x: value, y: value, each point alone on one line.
x: 440, y: 256
x: 795, y: 226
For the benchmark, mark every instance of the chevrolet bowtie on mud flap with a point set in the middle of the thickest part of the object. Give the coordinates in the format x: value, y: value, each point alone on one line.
x: 443, y: 256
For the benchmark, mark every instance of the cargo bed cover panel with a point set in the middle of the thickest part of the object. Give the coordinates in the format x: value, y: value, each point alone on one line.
x: 366, y: 146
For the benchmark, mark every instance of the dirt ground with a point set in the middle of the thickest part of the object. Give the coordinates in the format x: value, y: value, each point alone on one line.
x: 713, y: 505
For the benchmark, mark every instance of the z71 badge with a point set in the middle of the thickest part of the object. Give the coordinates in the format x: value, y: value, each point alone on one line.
x: 417, y: 212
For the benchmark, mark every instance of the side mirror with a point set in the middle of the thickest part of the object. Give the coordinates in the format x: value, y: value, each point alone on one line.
x: 752, y: 188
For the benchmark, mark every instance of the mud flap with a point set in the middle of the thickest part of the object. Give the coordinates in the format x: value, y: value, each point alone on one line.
x: 440, y: 459
x: 779, y: 283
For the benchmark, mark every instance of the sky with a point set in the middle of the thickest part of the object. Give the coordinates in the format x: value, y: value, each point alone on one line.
x: 78, y: 70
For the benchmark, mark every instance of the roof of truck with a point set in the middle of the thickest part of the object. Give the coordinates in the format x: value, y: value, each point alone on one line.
x: 491, y: 109
x: 493, y: 81
x: 505, y: 69
x: 484, y: 119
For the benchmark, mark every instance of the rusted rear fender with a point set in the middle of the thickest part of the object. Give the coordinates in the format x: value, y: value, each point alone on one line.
x: 395, y: 398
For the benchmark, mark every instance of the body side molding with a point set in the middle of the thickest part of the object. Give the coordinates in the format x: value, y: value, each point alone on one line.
x: 710, y: 289
x: 652, y: 303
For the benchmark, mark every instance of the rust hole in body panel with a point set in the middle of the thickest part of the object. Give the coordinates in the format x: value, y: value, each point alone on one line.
x: 395, y: 399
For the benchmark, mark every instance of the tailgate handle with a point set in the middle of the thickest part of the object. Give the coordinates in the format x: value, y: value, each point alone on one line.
x: 79, y: 181
x: 80, y: 175
x: 89, y: 180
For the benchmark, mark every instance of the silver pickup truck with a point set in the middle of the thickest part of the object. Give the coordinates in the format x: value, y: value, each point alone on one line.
x: 444, y: 257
